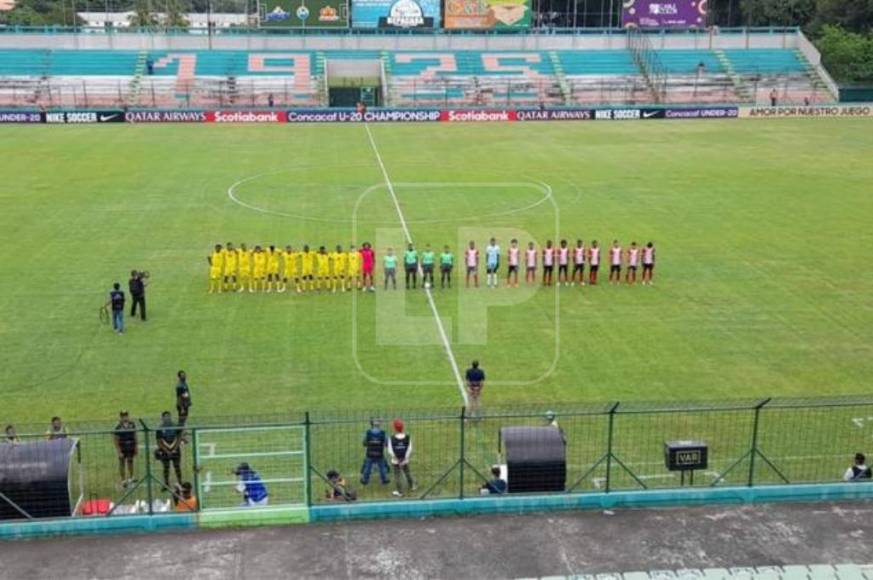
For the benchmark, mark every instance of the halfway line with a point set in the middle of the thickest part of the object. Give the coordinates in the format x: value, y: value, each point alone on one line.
x: 433, y: 308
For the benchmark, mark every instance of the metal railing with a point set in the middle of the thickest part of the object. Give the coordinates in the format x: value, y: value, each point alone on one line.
x: 607, y: 447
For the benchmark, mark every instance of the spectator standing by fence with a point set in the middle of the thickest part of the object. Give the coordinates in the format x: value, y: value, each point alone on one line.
x: 124, y: 437
x: 475, y: 384
x: 375, y: 443
x: 859, y: 470
x: 169, y: 448
x: 56, y: 430
x: 11, y: 436
x: 400, y: 450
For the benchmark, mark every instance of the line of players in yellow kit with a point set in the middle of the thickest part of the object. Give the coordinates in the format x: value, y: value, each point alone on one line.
x: 240, y: 269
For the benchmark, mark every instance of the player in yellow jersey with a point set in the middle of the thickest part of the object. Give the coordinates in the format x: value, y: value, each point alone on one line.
x: 290, y: 268
x: 230, y: 265
x: 353, y: 275
x: 216, y: 265
x: 339, y: 264
x: 307, y: 269
x: 272, y: 267
x: 244, y: 265
x: 322, y: 260
x: 259, y: 260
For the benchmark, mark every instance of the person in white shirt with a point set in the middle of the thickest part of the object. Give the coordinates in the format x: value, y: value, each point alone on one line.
x: 859, y: 471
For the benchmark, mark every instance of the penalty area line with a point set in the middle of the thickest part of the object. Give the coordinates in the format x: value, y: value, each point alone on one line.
x: 439, y: 321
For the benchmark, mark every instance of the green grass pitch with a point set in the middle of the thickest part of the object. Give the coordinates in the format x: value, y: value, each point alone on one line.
x: 763, y: 284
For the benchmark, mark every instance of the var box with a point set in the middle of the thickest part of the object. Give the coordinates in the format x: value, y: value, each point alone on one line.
x: 685, y: 455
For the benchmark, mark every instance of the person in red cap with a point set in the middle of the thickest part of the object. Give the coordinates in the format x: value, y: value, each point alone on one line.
x: 400, y: 450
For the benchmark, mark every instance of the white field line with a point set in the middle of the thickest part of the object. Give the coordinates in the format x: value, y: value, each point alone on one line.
x: 439, y: 322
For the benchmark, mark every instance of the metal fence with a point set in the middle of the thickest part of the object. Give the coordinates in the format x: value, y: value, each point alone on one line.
x: 301, y: 458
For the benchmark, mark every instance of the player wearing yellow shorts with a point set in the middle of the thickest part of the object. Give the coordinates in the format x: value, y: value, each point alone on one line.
x: 353, y: 259
x: 322, y: 260
x: 230, y: 265
x: 244, y: 265
x: 216, y: 263
x: 290, y: 268
x: 272, y: 267
x: 339, y: 265
x: 259, y: 260
x: 307, y: 269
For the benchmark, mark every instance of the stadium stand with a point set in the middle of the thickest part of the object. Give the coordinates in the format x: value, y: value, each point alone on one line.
x: 189, y: 78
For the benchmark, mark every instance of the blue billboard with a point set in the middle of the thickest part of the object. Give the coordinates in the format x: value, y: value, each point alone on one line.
x: 396, y: 13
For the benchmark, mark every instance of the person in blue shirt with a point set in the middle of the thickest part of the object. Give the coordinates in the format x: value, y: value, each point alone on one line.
x: 497, y: 485
x: 375, y: 444
x: 492, y: 262
x: 251, y: 486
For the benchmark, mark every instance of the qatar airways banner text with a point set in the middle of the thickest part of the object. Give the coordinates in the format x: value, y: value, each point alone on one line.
x: 165, y: 117
x: 664, y: 14
x: 375, y: 116
x: 246, y: 117
x: 555, y: 115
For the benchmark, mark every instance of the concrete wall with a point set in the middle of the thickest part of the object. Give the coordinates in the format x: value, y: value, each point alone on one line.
x: 345, y: 41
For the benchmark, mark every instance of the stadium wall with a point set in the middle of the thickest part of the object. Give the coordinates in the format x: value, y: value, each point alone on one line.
x: 587, y: 40
x: 446, y: 507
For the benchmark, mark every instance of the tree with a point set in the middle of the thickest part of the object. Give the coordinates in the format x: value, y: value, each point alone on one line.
x: 142, y: 16
x: 778, y: 12
x: 175, y: 15
x: 848, y: 56
x: 852, y: 15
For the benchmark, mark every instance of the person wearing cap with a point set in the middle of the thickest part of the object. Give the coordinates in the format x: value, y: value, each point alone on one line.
x: 124, y: 437
x: 375, y: 442
x: 400, y: 450
x: 251, y: 486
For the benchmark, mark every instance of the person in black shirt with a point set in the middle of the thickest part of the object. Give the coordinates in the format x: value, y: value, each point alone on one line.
x: 116, y: 303
x: 124, y: 437
x: 375, y: 442
x: 137, y: 285
x: 475, y: 383
x: 169, y: 448
x: 400, y: 450
x: 183, y: 398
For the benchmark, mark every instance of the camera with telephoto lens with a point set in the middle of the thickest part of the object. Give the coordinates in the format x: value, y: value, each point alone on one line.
x: 144, y: 274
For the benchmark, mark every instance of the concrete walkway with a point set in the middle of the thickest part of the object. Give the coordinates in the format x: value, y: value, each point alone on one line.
x: 556, y: 544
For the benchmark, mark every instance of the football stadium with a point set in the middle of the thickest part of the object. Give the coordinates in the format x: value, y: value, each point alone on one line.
x: 309, y: 263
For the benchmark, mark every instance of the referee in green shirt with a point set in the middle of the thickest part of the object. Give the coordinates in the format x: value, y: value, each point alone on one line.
x: 410, y: 263
x: 447, y: 264
x: 427, y: 260
x: 390, y: 262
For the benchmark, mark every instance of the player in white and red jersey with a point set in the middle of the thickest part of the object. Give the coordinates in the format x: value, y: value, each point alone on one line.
x: 471, y: 260
x: 563, y: 264
x: 548, y: 263
x: 593, y: 262
x: 579, y: 263
x: 530, y: 262
x: 615, y: 263
x: 512, y: 258
x: 648, y: 263
x: 633, y: 260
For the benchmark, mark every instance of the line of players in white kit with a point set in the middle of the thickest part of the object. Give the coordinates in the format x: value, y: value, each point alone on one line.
x: 561, y: 258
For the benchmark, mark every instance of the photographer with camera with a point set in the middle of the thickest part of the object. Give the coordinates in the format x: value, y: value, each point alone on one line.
x: 137, y: 286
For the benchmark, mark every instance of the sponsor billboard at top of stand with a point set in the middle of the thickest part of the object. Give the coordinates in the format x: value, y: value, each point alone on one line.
x: 396, y: 13
x: 664, y: 14
x: 305, y: 13
x: 488, y: 14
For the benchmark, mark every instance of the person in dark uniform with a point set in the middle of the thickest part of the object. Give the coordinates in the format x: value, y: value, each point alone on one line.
x: 375, y: 442
x: 116, y: 303
x: 475, y: 383
x: 400, y: 450
x: 169, y: 448
x: 183, y: 398
x: 124, y: 437
x: 136, y: 285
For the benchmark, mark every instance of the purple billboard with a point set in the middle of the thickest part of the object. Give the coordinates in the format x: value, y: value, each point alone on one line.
x: 664, y: 13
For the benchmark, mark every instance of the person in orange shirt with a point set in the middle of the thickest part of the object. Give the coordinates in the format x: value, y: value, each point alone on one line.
x: 185, y: 500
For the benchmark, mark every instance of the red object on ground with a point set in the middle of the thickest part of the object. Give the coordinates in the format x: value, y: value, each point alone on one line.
x: 96, y: 507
